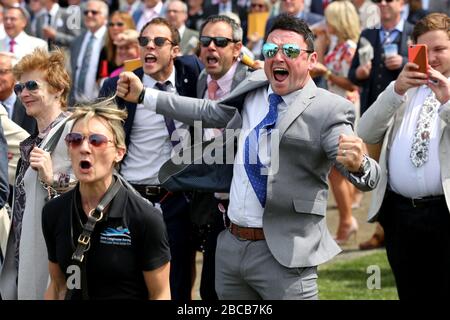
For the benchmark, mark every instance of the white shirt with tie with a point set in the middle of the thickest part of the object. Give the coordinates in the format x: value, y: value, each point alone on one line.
x: 24, y: 44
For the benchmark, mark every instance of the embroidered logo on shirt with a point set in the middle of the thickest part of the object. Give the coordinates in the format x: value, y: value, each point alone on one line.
x: 116, y: 236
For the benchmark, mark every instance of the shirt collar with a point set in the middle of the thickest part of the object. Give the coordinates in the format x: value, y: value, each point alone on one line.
x: 399, y: 27
x: 10, y: 101
x: 99, y: 33
x: 181, y: 30
x: 21, y: 36
x: 150, y: 82
x: 226, y: 80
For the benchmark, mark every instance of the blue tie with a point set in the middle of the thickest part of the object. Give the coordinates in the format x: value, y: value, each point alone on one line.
x: 258, y: 180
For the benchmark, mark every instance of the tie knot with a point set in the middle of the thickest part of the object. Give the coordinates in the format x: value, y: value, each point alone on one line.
x: 162, y: 86
x: 12, y: 41
x: 213, y: 86
x: 274, y: 100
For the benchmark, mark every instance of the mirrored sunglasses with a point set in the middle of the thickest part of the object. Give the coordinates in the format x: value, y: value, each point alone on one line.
x: 75, y: 139
x: 290, y: 50
x: 158, y: 41
x: 220, y: 42
x: 29, y: 85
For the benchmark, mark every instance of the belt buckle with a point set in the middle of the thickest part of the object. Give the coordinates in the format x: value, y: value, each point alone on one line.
x: 150, y: 190
x: 414, y: 203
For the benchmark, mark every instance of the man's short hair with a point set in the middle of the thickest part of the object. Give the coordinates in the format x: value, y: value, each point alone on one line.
x: 235, y: 27
x: 431, y: 22
x: 290, y: 23
x: 162, y: 21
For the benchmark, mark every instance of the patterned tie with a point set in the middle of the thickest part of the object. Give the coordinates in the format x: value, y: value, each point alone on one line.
x: 11, y: 45
x: 170, y: 124
x: 421, y: 139
x: 258, y: 180
x: 85, y: 66
x: 213, y: 86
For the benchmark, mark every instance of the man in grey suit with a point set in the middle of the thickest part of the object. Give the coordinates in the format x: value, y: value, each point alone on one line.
x: 411, y: 119
x: 56, y: 25
x: 177, y: 14
x: 278, y: 234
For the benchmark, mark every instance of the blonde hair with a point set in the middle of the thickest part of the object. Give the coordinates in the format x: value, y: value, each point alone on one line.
x: 52, y: 65
x: 342, y: 16
x: 106, y: 110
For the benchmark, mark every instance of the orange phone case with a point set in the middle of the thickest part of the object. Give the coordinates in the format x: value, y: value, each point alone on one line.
x: 417, y: 53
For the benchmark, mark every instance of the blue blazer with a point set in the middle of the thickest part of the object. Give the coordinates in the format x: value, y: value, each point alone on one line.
x: 380, y: 76
x: 187, y: 71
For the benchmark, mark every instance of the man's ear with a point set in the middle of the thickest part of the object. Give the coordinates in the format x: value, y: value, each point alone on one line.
x: 176, y: 51
x: 237, y: 49
x: 312, y: 60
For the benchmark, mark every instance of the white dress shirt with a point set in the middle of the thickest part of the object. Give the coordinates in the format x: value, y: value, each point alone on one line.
x: 404, y: 177
x: 9, y: 104
x: 149, y: 14
x: 245, y: 209
x: 91, y: 88
x: 149, y: 146
x: 25, y: 44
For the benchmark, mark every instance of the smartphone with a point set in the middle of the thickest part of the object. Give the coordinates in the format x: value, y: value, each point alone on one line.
x: 417, y: 53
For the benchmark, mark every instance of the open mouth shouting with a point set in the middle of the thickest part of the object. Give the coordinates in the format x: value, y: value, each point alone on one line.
x: 280, y: 74
x: 85, y: 166
x: 150, y: 59
x: 212, y: 61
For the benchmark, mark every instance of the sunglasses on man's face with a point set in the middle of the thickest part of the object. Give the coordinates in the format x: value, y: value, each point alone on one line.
x: 75, y: 139
x: 94, y: 12
x: 29, y: 85
x: 290, y: 50
x: 220, y: 42
x: 158, y: 41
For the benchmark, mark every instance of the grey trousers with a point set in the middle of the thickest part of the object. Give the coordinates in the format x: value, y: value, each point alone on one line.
x: 246, y: 270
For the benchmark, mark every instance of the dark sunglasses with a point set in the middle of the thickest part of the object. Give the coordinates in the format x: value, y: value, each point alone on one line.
x: 258, y: 5
x: 158, y: 41
x: 75, y: 139
x: 379, y: 1
x: 290, y: 50
x: 94, y: 12
x: 116, y: 24
x: 30, y: 85
x: 220, y: 42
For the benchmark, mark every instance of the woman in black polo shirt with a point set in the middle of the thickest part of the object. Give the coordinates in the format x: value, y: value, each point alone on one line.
x: 126, y: 256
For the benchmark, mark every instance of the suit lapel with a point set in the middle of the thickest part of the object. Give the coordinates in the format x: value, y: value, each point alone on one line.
x: 302, y: 101
x: 201, y: 84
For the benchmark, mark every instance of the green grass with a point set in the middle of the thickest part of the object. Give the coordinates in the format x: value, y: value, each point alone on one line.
x: 347, y: 280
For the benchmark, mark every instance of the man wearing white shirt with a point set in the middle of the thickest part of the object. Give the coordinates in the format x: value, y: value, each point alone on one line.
x: 412, y: 120
x: 150, y: 10
x: 17, y: 41
x: 85, y: 52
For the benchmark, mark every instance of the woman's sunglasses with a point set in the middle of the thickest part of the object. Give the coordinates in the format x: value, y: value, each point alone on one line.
x: 75, y: 139
x: 290, y: 50
x: 221, y: 42
x: 30, y: 85
x: 158, y: 41
x: 116, y: 24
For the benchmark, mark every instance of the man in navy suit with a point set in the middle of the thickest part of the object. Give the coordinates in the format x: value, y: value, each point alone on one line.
x: 148, y: 139
x: 375, y: 75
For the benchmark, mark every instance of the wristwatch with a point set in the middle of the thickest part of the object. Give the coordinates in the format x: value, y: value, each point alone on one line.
x: 363, y: 168
x: 141, y: 96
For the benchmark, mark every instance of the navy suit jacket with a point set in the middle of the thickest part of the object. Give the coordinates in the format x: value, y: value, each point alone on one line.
x: 22, y: 119
x: 380, y: 76
x: 187, y: 71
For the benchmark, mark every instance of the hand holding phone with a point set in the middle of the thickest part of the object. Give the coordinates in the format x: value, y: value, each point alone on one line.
x: 417, y: 53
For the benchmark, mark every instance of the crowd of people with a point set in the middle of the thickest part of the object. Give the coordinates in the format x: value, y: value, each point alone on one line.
x: 100, y: 97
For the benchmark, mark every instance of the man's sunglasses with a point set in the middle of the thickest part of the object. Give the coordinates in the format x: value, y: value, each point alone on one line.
x: 30, y: 85
x: 75, y: 139
x: 379, y: 1
x: 94, y: 12
x: 116, y: 24
x: 158, y: 41
x: 221, y: 42
x: 290, y: 50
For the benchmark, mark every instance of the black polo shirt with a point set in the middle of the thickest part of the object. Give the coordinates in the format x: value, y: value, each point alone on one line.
x: 131, y: 240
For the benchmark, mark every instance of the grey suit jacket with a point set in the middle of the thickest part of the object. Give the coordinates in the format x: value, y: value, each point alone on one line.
x: 64, y: 34
x: 294, y: 217
x: 189, y: 41
x: 380, y: 123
